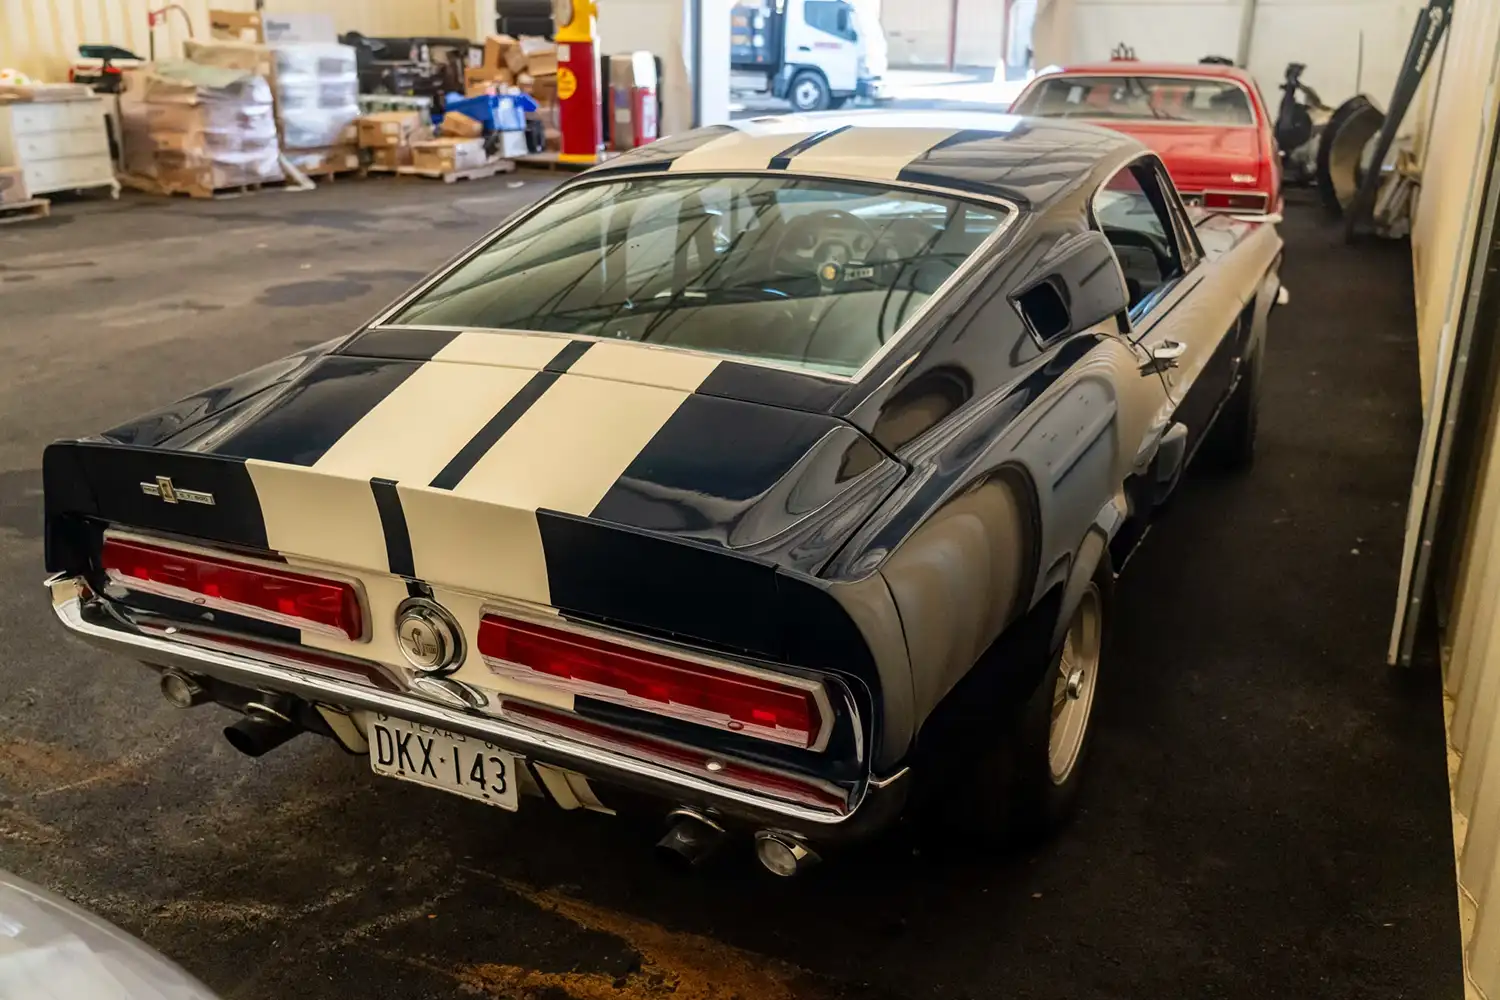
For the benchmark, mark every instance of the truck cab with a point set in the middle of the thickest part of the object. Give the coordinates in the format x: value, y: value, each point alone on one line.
x: 814, y: 54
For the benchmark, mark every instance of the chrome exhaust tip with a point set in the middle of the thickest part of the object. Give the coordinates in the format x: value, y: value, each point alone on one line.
x: 181, y: 690
x: 782, y: 854
x: 691, y: 839
x: 261, y: 730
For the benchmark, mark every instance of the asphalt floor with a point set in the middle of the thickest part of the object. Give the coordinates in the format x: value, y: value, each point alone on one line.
x: 1266, y: 815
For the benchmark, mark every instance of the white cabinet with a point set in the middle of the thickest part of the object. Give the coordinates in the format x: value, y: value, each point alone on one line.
x: 59, y: 145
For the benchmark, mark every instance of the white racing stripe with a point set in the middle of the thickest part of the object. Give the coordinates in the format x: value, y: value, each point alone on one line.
x: 644, y: 364
x: 739, y: 151
x: 876, y: 153
x: 530, y: 351
x: 317, y: 516
x: 416, y: 430
x: 563, y: 454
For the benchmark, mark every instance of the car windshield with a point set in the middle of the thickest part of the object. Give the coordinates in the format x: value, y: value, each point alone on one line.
x: 1202, y: 102
x: 812, y: 273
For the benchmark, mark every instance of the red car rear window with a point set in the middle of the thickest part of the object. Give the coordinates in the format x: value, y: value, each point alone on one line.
x: 1200, y: 101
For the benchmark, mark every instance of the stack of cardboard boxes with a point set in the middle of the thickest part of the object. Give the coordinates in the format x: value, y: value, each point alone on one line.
x: 193, y: 128
x: 527, y: 63
x: 315, y: 87
x: 317, y: 105
x: 389, y: 136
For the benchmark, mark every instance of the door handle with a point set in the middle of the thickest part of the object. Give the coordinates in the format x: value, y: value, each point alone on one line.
x: 1163, y: 356
x: 804, y: 48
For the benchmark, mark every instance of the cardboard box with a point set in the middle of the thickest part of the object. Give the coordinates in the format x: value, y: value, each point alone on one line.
x: 484, y: 80
x: 495, y: 47
x: 332, y: 159
x: 391, y: 157
x: 542, y: 64
x: 448, y: 154
x: 12, y: 186
x: 456, y: 123
x: 543, y: 89
x: 390, y: 128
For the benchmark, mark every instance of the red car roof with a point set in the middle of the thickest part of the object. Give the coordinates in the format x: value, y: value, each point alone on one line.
x: 1130, y: 67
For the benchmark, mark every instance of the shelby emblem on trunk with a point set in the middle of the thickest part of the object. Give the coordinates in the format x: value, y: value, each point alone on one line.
x: 429, y: 637
x: 171, y: 494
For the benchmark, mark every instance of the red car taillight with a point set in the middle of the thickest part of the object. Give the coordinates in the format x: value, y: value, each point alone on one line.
x: 754, y: 779
x: 304, y: 602
x: 784, y: 710
x: 1232, y: 201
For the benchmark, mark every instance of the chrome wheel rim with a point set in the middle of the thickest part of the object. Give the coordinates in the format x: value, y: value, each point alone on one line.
x: 1073, y: 688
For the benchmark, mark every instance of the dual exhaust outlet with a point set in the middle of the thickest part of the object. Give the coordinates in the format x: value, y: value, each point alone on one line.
x: 691, y: 837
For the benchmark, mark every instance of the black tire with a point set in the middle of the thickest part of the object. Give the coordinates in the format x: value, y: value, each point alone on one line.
x: 1231, y: 443
x: 1009, y: 794
x: 809, y: 92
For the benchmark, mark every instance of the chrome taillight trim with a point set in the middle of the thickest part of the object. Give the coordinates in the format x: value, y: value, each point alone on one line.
x: 515, y: 671
x: 234, y: 607
x: 104, y: 628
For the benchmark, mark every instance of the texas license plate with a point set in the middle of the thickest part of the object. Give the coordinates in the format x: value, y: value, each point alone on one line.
x: 440, y: 759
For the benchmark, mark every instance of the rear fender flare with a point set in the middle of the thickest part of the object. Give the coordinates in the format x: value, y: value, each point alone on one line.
x: 1091, y: 553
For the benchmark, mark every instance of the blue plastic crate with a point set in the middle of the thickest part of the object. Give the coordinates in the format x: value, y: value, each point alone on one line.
x: 496, y: 112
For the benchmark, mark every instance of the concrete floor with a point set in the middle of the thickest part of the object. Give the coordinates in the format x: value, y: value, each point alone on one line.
x: 1267, y: 815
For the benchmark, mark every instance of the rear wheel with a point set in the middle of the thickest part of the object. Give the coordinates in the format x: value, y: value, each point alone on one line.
x: 1022, y: 786
x: 1231, y: 440
x: 809, y: 92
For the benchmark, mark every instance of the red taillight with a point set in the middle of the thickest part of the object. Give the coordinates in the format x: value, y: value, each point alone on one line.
x: 787, y: 711
x: 303, y: 602
x: 773, y: 783
x: 1232, y: 201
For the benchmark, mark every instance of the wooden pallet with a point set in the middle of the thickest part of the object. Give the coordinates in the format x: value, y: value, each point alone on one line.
x: 489, y: 169
x: 150, y: 186
x: 25, y: 211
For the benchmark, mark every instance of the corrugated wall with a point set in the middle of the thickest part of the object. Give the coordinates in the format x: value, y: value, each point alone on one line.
x: 40, y: 37
x: 1457, y: 144
x: 1473, y: 691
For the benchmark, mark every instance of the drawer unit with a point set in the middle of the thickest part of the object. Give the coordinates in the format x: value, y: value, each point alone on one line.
x: 59, y: 145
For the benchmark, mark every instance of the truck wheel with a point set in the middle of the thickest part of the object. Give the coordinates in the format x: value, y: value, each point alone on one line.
x: 809, y: 92
x: 1022, y: 786
x: 1232, y: 438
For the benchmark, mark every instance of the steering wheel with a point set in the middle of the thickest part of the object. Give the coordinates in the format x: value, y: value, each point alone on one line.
x: 820, y: 244
x: 1136, y: 238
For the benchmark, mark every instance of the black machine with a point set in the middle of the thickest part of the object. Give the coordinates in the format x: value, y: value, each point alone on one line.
x: 416, y: 66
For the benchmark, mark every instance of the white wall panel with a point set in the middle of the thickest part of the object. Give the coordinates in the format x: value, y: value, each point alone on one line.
x: 1158, y: 30
x: 981, y: 32
x: 40, y: 37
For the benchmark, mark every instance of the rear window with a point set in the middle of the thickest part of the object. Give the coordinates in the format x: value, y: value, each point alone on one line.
x: 1205, y: 102
x: 814, y: 274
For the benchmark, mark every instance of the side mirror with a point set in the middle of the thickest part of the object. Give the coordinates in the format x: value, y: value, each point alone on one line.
x: 1077, y: 285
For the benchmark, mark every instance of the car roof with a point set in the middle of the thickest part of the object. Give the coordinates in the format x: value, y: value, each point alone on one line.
x: 1131, y: 67
x: 1029, y: 162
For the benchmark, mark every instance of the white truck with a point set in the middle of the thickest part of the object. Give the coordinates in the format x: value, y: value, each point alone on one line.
x: 814, y: 54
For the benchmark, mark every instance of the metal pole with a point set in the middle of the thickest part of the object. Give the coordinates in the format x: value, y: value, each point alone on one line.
x: 1247, y: 31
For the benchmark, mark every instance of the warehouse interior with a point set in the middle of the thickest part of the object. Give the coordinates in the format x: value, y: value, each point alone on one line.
x: 1297, y: 778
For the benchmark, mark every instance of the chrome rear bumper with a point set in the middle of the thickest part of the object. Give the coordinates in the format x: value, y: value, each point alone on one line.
x: 876, y: 804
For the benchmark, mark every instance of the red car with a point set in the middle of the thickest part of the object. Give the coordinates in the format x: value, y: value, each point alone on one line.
x: 1207, y: 122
